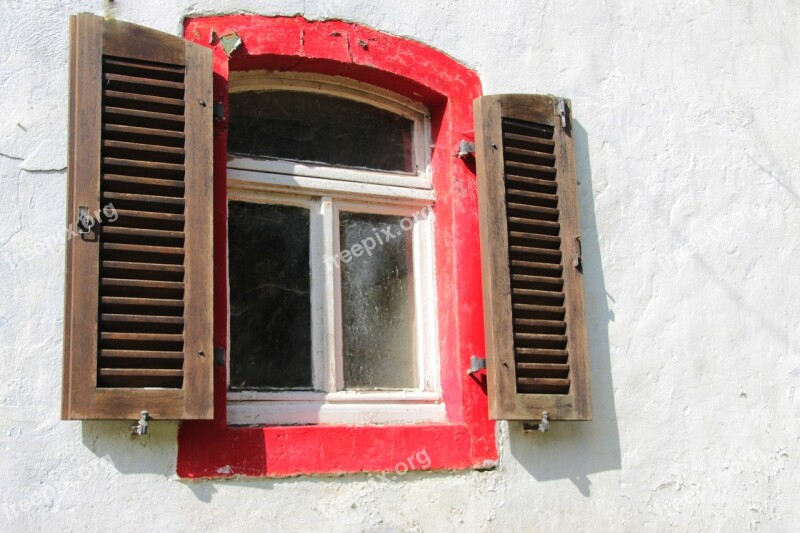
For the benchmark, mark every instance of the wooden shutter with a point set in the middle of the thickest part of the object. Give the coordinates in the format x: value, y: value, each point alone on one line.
x: 138, y: 313
x: 537, y: 352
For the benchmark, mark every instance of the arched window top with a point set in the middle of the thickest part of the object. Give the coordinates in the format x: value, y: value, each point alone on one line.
x: 324, y: 120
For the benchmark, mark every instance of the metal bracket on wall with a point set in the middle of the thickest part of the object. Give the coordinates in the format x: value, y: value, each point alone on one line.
x: 140, y: 428
x: 466, y: 148
x: 542, y: 426
x: 562, y: 111
x: 476, y: 364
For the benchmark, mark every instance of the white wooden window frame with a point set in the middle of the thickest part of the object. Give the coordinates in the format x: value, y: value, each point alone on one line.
x: 326, y: 191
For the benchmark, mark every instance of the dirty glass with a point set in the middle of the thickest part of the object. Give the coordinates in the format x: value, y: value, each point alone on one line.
x: 316, y: 127
x: 377, y: 302
x: 270, y: 305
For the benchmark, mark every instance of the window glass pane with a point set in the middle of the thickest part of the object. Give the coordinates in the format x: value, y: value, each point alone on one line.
x: 377, y: 303
x: 317, y: 127
x: 269, y: 273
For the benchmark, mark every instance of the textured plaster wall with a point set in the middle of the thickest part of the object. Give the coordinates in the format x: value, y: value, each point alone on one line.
x: 686, y: 133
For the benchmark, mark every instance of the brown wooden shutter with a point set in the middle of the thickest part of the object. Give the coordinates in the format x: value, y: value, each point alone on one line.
x: 537, y: 351
x: 138, y: 314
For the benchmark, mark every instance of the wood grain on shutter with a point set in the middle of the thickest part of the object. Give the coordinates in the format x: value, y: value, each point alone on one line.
x: 537, y: 350
x: 138, y: 320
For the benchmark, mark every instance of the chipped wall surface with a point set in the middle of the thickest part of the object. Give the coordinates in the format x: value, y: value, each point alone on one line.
x: 690, y: 188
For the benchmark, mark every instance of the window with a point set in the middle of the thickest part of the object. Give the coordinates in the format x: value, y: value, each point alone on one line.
x: 367, y: 361
x: 330, y: 252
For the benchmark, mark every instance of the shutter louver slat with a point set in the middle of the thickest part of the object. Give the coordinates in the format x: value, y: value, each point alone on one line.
x: 142, y: 219
x: 540, y: 385
x: 115, y: 182
x: 155, y: 354
x: 145, y: 84
x: 140, y: 142
x: 140, y: 147
x: 141, y: 284
x: 533, y: 301
x: 167, y: 137
x: 158, y: 169
x: 167, y: 378
x: 533, y: 268
x: 148, y: 200
x: 155, y: 319
x: 132, y: 99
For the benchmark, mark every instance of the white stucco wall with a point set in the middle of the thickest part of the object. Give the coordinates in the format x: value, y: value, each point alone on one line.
x: 687, y: 114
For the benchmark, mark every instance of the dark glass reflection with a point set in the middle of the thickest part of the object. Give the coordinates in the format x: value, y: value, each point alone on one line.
x: 269, y: 273
x: 317, y: 127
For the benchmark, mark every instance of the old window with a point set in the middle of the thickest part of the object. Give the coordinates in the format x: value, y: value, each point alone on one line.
x: 330, y: 225
x: 320, y: 171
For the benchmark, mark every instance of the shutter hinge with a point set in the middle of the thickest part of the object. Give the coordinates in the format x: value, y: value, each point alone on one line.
x: 219, y: 356
x: 476, y: 364
x: 465, y: 148
x: 563, y: 112
x: 219, y: 112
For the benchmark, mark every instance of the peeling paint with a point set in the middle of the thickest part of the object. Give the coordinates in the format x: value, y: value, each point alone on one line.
x: 230, y: 42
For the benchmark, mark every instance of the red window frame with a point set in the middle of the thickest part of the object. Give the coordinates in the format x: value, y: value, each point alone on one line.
x: 212, y: 449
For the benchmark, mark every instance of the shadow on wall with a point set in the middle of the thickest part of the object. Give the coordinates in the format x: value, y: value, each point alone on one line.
x: 570, y: 450
x: 153, y: 453
x: 573, y: 450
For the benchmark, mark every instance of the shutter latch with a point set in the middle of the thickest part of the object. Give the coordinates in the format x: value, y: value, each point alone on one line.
x: 84, y: 222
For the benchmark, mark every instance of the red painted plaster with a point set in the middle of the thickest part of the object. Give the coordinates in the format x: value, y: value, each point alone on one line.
x: 212, y: 449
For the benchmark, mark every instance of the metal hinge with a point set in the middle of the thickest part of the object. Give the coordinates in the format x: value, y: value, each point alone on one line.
x: 476, y: 364
x: 561, y: 111
x: 219, y: 356
x: 543, y: 425
x: 465, y: 148
x: 219, y: 112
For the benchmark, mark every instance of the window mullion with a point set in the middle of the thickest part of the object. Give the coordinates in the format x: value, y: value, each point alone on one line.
x: 336, y: 302
x: 318, y: 311
x: 425, y: 300
x: 330, y: 329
